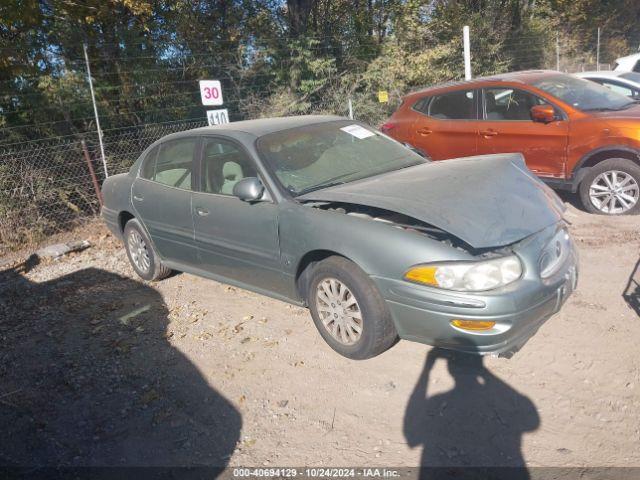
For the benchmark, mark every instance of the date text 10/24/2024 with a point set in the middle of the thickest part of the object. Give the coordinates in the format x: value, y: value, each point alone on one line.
x: 316, y: 472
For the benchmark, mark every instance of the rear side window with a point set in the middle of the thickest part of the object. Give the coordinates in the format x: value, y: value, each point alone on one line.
x: 422, y: 105
x: 171, y: 163
x: 459, y: 105
x: 149, y: 164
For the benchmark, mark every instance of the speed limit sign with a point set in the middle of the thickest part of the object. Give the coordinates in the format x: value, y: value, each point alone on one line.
x: 211, y: 92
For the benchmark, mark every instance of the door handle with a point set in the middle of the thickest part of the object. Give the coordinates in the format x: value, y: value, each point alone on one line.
x: 424, y: 131
x: 138, y: 198
x: 203, y: 212
x: 488, y: 133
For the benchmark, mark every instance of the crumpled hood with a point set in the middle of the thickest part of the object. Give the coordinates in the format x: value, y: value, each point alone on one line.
x: 486, y: 201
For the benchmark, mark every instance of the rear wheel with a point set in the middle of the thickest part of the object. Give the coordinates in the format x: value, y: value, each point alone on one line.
x: 348, y: 310
x: 612, y: 187
x: 142, y: 255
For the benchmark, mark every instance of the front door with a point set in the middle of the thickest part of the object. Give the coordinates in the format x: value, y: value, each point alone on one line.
x: 507, y: 128
x: 161, y: 196
x: 235, y: 239
x: 447, y: 125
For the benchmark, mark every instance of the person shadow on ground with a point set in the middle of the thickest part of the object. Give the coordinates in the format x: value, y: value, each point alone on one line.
x: 88, y: 377
x: 631, y: 292
x: 478, y: 423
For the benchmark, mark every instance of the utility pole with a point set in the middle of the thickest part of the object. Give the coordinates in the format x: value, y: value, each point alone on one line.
x: 95, y: 111
x: 598, y: 52
x: 467, y: 52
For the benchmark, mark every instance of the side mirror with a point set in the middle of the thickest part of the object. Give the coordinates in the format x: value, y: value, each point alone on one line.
x: 249, y: 189
x: 543, y: 113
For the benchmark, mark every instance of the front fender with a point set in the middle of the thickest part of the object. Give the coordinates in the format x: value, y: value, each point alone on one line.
x: 379, y: 248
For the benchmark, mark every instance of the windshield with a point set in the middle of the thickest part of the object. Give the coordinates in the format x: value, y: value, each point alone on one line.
x: 583, y: 94
x: 633, y: 76
x: 317, y: 156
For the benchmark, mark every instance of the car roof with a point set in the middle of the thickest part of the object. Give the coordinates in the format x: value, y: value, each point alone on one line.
x: 259, y: 127
x: 617, y: 74
x: 524, y: 77
x: 600, y: 73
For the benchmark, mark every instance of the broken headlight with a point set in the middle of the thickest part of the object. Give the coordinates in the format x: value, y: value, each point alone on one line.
x: 467, y: 276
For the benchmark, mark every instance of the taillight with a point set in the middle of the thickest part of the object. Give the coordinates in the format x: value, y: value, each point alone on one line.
x: 387, y: 127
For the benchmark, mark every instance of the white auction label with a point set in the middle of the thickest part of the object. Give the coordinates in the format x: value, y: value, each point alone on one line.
x: 211, y: 92
x: 218, y: 117
x: 357, y: 131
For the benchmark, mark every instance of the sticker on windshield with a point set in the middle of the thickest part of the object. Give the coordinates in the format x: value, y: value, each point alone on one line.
x: 357, y: 131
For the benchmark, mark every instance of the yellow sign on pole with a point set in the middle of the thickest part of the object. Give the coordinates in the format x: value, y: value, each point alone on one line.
x: 383, y: 96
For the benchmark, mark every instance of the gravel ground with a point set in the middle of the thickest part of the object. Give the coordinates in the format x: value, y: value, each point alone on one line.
x: 98, y: 368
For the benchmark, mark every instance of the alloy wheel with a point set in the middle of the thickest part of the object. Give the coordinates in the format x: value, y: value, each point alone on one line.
x: 339, y: 311
x: 614, y: 192
x: 138, y: 251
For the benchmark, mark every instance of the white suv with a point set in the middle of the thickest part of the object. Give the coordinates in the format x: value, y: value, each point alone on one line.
x: 630, y: 63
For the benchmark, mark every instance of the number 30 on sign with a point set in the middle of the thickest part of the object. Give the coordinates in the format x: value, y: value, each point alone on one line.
x: 218, y: 117
x: 211, y: 92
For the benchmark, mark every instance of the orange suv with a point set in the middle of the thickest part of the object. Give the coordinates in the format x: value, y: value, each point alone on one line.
x: 574, y: 134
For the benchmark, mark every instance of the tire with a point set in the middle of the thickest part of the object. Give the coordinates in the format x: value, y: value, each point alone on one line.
x: 377, y: 331
x: 597, y: 181
x: 142, y: 254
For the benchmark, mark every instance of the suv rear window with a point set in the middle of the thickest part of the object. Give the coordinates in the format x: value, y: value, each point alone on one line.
x: 457, y: 105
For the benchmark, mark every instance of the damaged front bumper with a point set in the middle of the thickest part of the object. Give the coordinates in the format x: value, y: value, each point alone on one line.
x: 424, y: 314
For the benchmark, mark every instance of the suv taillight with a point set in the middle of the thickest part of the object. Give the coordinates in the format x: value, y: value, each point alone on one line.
x: 387, y: 127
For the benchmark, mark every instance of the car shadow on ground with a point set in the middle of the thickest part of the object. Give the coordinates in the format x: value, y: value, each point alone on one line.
x: 631, y: 292
x: 571, y: 199
x: 89, y: 378
x: 478, y: 423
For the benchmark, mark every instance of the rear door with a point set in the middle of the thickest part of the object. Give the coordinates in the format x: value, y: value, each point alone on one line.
x: 447, y: 124
x: 235, y: 239
x: 161, y: 196
x: 507, y: 127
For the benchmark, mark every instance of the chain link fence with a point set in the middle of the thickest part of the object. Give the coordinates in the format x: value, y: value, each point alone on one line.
x: 47, y: 186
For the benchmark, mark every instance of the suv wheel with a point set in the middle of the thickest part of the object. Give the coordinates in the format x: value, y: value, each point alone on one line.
x: 142, y: 256
x: 612, y: 187
x: 348, y: 310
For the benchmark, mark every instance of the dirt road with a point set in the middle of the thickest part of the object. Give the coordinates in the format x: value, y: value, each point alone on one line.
x: 97, y: 369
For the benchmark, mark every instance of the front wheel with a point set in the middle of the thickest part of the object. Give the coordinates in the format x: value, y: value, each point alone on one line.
x: 348, y: 310
x: 612, y: 187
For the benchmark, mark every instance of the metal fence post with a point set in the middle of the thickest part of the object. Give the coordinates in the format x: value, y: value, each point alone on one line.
x: 94, y: 180
x: 467, y: 52
x: 95, y: 111
x: 598, y: 52
x: 557, y: 52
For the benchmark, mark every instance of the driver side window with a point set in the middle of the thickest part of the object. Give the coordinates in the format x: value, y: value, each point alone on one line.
x: 509, y: 104
x: 224, y: 165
